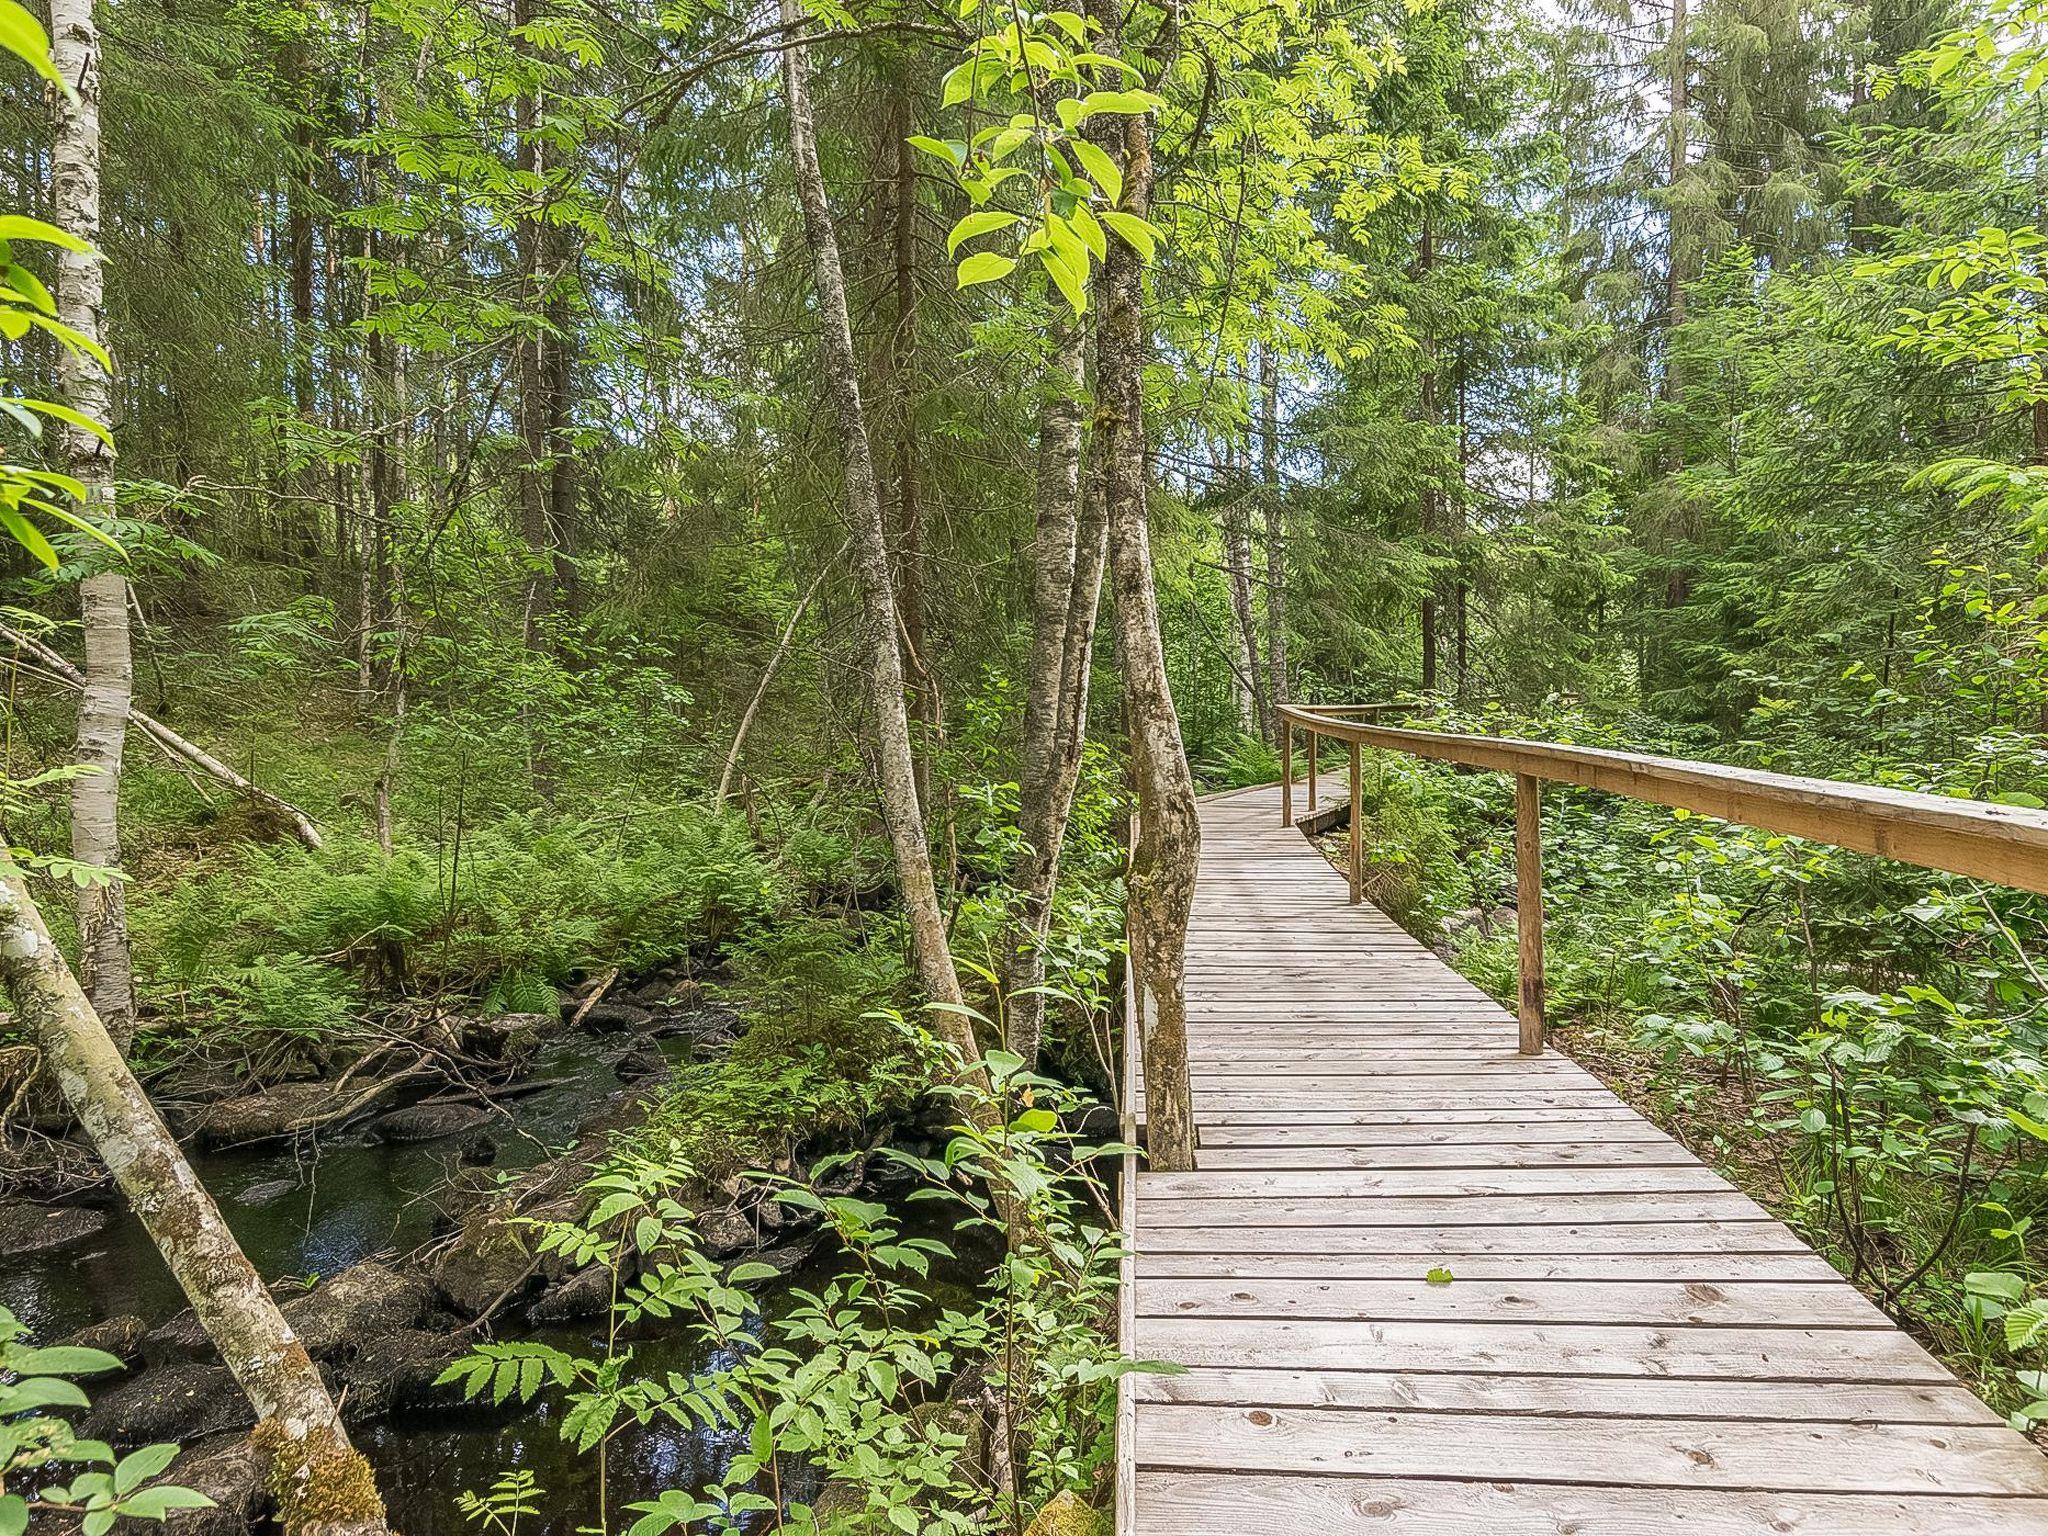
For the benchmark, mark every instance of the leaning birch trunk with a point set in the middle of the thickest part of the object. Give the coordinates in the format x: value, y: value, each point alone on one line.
x: 103, y: 596
x: 1169, y: 842
x: 895, y: 770
x: 1044, y: 790
x: 323, y: 1484
x: 190, y: 753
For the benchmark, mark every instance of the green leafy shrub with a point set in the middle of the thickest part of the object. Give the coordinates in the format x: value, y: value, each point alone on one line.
x: 37, y: 1393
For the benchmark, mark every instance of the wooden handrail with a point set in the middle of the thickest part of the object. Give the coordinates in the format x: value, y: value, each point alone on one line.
x: 2004, y: 844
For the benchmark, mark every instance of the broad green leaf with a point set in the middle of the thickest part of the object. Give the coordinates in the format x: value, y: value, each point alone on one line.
x: 1096, y: 162
x: 65, y: 1360
x: 23, y: 36
x: 1136, y: 232
x: 984, y: 267
x: 19, y: 226
x: 952, y: 151
x: 983, y: 221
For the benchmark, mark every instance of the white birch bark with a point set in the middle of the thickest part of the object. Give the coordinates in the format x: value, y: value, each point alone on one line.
x: 1169, y: 840
x: 103, y: 597
x: 324, y: 1486
x: 895, y: 770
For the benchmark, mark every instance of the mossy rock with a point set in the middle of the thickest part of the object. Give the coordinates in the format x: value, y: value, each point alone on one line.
x: 1066, y: 1514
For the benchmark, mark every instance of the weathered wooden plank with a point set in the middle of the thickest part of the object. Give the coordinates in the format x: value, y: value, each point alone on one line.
x: 1359, y: 1184
x: 1568, y: 1349
x: 1654, y: 1453
x: 1791, y: 1265
x: 1415, y: 1210
x: 1571, y: 1397
x: 1210, y: 1504
x: 1689, y: 1303
x: 1525, y: 1154
x: 1755, y: 1233
x: 1395, y: 1127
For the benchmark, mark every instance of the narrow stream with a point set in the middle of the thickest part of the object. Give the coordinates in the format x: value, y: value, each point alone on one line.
x: 300, y: 1216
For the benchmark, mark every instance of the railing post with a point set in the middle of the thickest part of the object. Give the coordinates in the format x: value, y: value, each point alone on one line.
x: 1529, y: 907
x: 1357, y: 835
x: 1286, y: 772
x: 1314, y: 742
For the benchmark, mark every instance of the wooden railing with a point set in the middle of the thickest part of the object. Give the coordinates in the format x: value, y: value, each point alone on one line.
x: 2005, y: 844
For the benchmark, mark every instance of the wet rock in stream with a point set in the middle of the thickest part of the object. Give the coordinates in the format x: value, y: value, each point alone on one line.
x: 181, y: 1400
x: 638, y: 1065
x: 269, y: 1192
x: 429, y: 1122
x: 398, y: 1371
x: 27, y: 1228
x: 363, y: 1302
x: 585, y: 1294
x: 119, y: 1336
x: 233, y: 1473
x: 510, y: 1037
x: 609, y: 1017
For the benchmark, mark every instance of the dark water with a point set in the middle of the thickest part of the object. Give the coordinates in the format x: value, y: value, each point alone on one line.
x: 361, y: 1199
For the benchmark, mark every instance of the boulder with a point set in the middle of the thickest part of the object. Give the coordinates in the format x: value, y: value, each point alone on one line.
x: 639, y: 1064
x: 182, y: 1400
x: 364, y: 1302
x: 344, y: 1312
x: 120, y: 1336
x: 609, y: 1017
x: 666, y: 993
x: 429, y: 1122
x: 1066, y: 1514
x: 487, y: 1259
x: 585, y: 1294
x: 725, y: 1231
x: 27, y: 1228
x: 398, y: 1371
x: 233, y: 1473
x: 510, y: 1036
x: 785, y: 1258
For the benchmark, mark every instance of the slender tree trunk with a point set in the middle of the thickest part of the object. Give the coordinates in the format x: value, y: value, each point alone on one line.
x: 1169, y: 840
x: 1678, y: 77
x: 895, y: 773
x: 103, y: 597
x: 900, y: 360
x: 1276, y: 541
x: 532, y: 365
x: 1460, y: 524
x: 775, y: 659
x: 1237, y: 561
x: 1065, y: 591
x: 325, y: 1486
x: 299, y: 252
x: 1427, y: 506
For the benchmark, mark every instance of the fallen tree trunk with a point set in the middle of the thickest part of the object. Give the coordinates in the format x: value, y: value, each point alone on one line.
x: 324, y: 1485
x: 302, y: 825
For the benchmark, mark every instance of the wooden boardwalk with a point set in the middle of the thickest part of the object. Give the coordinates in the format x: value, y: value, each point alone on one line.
x: 1627, y: 1343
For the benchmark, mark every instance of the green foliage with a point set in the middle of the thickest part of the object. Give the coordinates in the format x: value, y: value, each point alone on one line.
x: 504, y: 914
x: 852, y: 1380
x: 37, y: 1393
